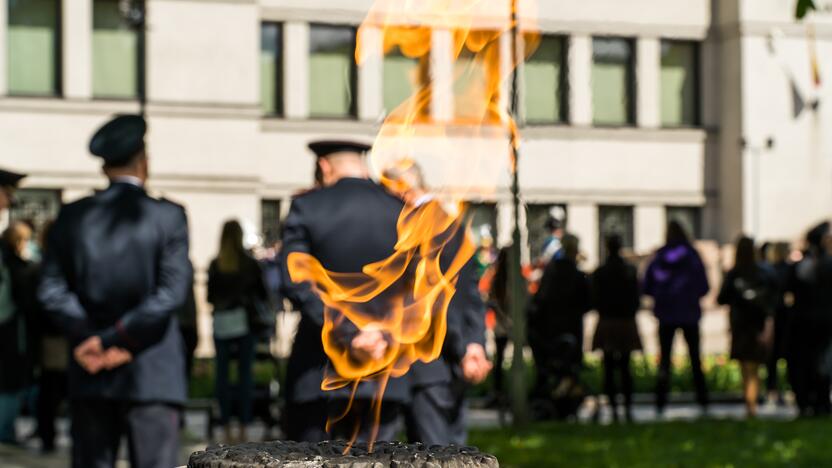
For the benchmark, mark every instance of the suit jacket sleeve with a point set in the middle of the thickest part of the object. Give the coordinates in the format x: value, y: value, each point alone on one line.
x: 296, y: 239
x: 475, y: 307
x: 146, y: 324
x: 60, y: 304
x: 466, y: 314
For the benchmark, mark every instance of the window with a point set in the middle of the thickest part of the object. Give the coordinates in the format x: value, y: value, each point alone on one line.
x: 271, y: 68
x: 680, y: 84
x: 476, y: 86
x: 690, y: 217
x: 613, y: 83
x: 36, y: 206
x: 483, y: 220
x: 270, y: 221
x: 33, y: 47
x: 615, y: 220
x: 403, y: 77
x: 545, y: 82
x: 537, y: 220
x: 331, y: 71
x: 115, y: 66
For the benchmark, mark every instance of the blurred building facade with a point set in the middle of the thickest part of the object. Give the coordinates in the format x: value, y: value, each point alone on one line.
x: 632, y: 112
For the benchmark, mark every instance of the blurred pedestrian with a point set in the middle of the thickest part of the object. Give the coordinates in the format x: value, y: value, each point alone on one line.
x: 51, y: 351
x: 437, y: 412
x: 501, y: 304
x: 552, y: 245
x: 115, y: 273
x: 188, y: 328
x: 556, y: 324
x: 811, y: 286
x: 750, y: 290
x: 676, y: 281
x: 348, y: 223
x: 615, y: 295
x: 776, y: 256
x: 15, y: 366
x: 235, y: 284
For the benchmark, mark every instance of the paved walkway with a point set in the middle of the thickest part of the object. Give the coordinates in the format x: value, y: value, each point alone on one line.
x: 28, y: 455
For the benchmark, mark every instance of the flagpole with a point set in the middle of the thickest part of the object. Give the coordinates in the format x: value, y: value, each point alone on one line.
x: 519, y: 390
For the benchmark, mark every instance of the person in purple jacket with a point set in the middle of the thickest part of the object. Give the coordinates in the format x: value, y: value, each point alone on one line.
x: 676, y: 281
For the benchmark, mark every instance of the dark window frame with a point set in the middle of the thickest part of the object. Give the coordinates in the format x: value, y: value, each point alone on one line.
x: 697, y: 83
x: 534, y: 245
x: 602, y: 249
x: 58, y: 79
x: 280, y: 64
x: 563, y: 88
x: 632, y: 83
x: 697, y: 221
x: 352, y: 114
x: 58, y: 194
x: 278, y: 204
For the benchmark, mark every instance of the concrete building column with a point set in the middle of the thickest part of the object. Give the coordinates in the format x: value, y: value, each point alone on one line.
x: 4, y: 67
x: 649, y: 223
x: 76, y: 48
x: 506, y: 66
x: 583, y: 222
x: 648, y: 82
x: 580, y: 80
x: 371, y: 74
x: 442, y: 74
x: 296, y: 69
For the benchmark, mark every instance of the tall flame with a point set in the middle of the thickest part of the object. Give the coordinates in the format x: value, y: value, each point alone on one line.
x: 458, y: 126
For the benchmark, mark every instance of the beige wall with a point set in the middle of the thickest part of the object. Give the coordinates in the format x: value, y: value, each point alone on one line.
x: 212, y: 151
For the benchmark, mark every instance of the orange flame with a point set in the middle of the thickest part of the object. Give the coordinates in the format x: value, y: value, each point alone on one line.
x: 457, y: 124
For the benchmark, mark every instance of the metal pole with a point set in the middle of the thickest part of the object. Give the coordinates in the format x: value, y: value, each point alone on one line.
x: 142, y: 58
x: 135, y: 15
x: 517, y: 283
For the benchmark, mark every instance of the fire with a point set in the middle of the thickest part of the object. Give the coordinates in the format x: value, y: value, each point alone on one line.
x: 467, y: 146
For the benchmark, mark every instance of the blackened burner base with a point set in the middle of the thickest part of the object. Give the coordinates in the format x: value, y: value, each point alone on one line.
x: 286, y: 454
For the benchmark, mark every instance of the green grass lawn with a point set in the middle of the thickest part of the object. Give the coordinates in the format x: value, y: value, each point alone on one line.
x: 705, y: 443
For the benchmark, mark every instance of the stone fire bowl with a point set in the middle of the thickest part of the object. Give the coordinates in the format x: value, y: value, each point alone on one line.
x: 330, y: 454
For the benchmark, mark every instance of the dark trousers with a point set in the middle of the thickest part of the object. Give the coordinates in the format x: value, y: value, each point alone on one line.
x: 152, y: 431
x: 52, y: 391
x: 190, y: 339
x: 306, y: 422
x: 359, y: 421
x: 245, y: 348
x: 501, y: 342
x: 691, y: 335
x: 436, y: 416
x: 616, y: 362
x: 811, y: 385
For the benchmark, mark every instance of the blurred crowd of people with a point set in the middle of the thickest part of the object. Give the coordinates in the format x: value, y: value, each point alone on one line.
x: 780, y: 303
x: 100, y: 310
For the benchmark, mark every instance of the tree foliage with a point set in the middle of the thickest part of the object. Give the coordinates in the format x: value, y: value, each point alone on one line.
x: 804, y: 7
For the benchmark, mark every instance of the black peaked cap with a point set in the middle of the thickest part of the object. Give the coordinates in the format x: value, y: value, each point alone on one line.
x: 119, y: 139
x: 323, y: 148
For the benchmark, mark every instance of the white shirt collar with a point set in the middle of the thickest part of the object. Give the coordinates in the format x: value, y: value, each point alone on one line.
x: 424, y: 199
x: 131, y: 180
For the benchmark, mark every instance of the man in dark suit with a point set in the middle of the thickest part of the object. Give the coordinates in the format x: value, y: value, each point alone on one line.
x: 347, y: 224
x: 115, y: 273
x: 436, y: 414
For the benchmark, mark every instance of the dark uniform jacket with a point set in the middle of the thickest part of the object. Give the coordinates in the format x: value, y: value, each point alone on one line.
x: 466, y: 325
x: 345, y: 227
x: 117, y: 266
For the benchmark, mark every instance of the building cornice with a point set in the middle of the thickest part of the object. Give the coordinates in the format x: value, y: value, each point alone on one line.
x: 612, y: 28
x: 107, y: 107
